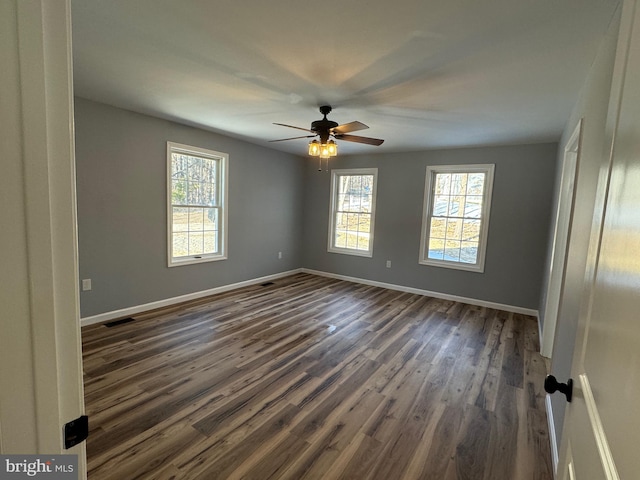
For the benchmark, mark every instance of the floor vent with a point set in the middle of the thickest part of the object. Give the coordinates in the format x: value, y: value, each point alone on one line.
x: 115, y: 323
x: 266, y: 284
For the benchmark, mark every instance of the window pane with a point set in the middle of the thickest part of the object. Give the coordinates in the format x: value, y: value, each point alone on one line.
x: 352, y: 240
x: 214, y: 195
x: 196, y: 243
x: 178, y: 167
x: 194, y: 172
x: 344, y: 183
x: 355, y: 184
x: 208, y: 194
x: 452, y: 250
x: 469, y: 252
x: 443, y: 184
x: 341, y: 221
x: 196, y: 219
x: 342, y: 202
x: 456, y: 206
x: 180, y: 218
x: 471, y: 230
x: 180, y: 244
x: 441, y: 206
x: 475, y: 184
x: 364, y: 223
x: 454, y: 229
x: 194, y: 193
x: 210, y: 219
x: 458, y: 184
x: 363, y: 241
x: 354, y: 202
x: 436, y: 248
x: 179, y: 192
x: 438, y: 228
x: 352, y: 221
x: 341, y: 239
x: 473, y: 206
x: 210, y: 242
x: 366, y: 203
x: 209, y: 170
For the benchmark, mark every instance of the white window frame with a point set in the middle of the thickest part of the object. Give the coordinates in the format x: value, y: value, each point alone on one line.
x: 222, y: 186
x: 429, y: 194
x: 335, y: 177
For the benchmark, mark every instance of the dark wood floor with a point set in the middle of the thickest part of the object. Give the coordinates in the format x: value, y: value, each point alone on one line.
x: 317, y: 378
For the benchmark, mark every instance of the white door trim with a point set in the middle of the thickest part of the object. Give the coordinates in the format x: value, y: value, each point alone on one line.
x: 561, y: 238
x: 41, y: 291
x: 606, y: 457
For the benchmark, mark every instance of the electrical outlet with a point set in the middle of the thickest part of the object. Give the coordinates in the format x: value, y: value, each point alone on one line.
x: 279, y: 255
x: 388, y: 263
x: 86, y: 284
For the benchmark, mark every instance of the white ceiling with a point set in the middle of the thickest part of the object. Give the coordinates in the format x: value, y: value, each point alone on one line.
x: 421, y: 73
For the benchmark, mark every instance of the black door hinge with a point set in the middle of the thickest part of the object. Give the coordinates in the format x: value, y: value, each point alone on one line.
x: 76, y: 431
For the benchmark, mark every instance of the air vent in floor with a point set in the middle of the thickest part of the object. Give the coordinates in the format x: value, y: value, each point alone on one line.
x: 115, y: 323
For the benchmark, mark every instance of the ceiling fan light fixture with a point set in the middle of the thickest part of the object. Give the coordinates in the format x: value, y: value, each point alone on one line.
x: 324, y: 151
x: 314, y: 148
x: 332, y: 147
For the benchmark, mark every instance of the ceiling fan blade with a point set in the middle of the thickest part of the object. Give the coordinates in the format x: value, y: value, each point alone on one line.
x: 349, y: 127
x: 358, y: 139
x: 292, y: 138
x: 291, y: 126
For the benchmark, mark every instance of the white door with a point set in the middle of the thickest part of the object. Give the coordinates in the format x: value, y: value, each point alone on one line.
x: 40, y: 352
x: 601, y: 435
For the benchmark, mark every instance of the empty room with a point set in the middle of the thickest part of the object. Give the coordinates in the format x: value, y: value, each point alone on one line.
x: 349, y: 240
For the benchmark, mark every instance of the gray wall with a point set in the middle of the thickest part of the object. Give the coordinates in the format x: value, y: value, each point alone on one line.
x: 518, y: 230
x: 592, y: 108
x: 121, y: 179
x: 280, y: 202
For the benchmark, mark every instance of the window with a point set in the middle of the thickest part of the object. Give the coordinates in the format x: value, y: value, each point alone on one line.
x: 456, y: 216
x: 353, y: 205
x: 197, y: 213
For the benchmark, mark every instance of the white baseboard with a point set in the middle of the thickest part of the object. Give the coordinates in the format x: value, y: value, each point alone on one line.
x: 443, y: 296
x: 542, y: 350
x: 552, y: 436
x: 126, y: 312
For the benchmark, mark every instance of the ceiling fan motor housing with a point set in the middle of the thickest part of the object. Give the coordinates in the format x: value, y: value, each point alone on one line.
x: 323, y: 127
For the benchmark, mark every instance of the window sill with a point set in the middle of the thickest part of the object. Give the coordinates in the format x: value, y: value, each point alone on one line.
x: 346, y: 251
x: 453, y: 265
x: 194, y: 260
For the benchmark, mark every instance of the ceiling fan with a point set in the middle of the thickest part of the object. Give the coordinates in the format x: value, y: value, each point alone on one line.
x: 328, y: 129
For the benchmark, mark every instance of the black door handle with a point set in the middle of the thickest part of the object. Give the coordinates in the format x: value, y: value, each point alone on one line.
x: 551, y: 385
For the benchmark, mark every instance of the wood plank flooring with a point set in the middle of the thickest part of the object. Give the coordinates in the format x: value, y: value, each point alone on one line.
x: 316, y: 378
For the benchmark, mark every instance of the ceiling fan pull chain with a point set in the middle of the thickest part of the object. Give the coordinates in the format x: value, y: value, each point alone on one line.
x: 319, y: 164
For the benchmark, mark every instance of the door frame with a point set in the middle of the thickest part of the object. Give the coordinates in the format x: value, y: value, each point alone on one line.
x: 40, y: 351
x: 561, y: 238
